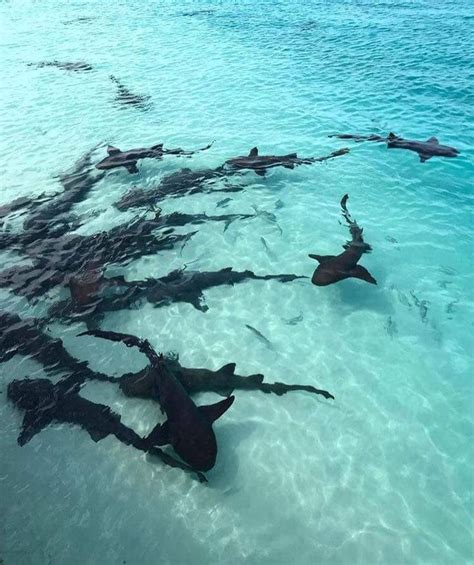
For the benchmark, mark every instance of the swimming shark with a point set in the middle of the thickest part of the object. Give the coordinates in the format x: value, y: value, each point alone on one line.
x: 29, y: 337
x: 261, y: 163
x: 196, y: 380
x: 358, y: 138
x: 101, y: 295
x: 188, y: 427
x: 175, y: 185
x: 128, y: 159
x: 45, y: 403
x: 335, y: 268
x: 425, y: 149
x: 54, y: 215
x: 79, y: 66
x: 128, y: 98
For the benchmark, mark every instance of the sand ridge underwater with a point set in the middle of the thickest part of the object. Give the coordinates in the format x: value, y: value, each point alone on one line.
x: 381, y: 474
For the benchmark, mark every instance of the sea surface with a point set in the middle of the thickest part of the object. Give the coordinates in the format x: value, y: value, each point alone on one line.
x: 383, y: 473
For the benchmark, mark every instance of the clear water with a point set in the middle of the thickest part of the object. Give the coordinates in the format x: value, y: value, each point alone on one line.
x: 384, y: 473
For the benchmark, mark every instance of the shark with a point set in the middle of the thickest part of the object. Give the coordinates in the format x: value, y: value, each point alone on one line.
x: 79, y: 66
x: 335, y: 268
x: 425, y: 149
x: 175, y: 185
x: 102, y: 295
x: 128, y: 159
x: 128, y: 98
x: 188, y: 428
x: 29, y: 337
x: 261, y: 163
x: 195, y: 380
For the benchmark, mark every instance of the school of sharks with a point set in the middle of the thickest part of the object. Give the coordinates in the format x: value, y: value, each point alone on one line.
x: 58, y: 258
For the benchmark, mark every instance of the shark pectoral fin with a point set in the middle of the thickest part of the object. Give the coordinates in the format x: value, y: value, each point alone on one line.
x: 131, y: 167
x: 321, y: 258
x: 261, y: 172
x: 33, y: 423
x: 424, y: 157
x: 360, y: 272
x: 253, y: 152
x: 159, y: 435
x: 97, y: 435
x: 215, y: 411
x: 111, y: 150
x: 289, y: 166
x: 228, y: 369
x: 433, y: 140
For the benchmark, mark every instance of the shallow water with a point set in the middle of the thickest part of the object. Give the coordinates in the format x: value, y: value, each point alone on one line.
x: 383, y: 474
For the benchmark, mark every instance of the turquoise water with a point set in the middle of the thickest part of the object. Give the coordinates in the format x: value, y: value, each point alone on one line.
x: 384, y: 473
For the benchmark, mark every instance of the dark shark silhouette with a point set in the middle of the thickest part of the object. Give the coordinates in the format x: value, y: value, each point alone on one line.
x: 79, y: 66
x: 57, y: 260
x: 53, y: 217
x: 178, y: 286
x: 128, y: 159
x: 28, y: 337
x: 175, y: 185
x: 335, y: 268
x: 261, y: 163
x: 195, y: 380
x: 45, y: 403
x: 359, y: 138
x: 128, y: 98
x: 425, y: 149
x: 188, y: 427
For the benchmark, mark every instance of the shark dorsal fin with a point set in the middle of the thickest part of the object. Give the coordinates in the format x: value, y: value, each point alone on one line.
x: 157, y: 147
x: 253, y: 152
x: 111, y: 150
x: 228, y: 369
x: 433, y: 140
x: 391, y: 136
x: 214, y: 411
x: 292, y: 156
